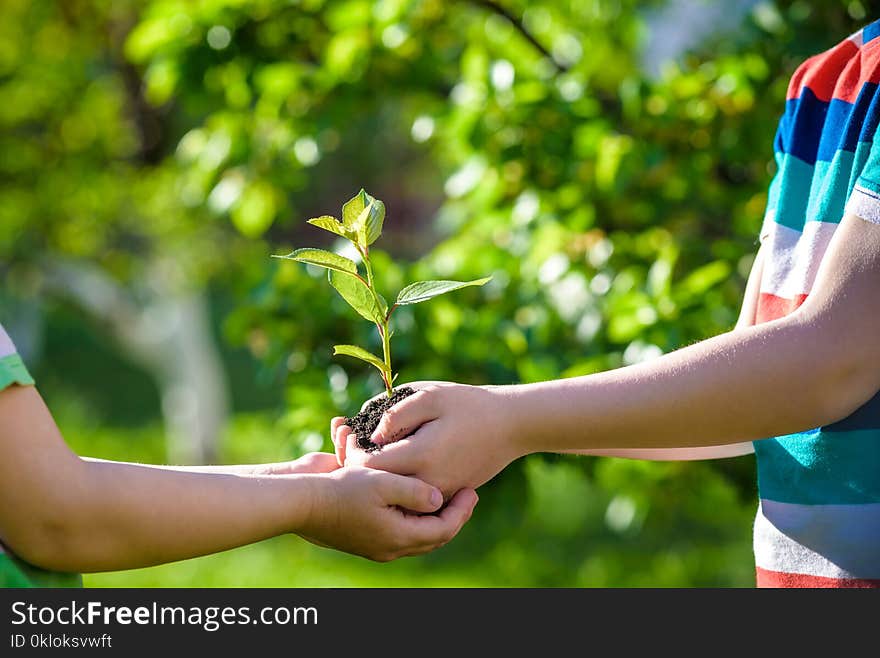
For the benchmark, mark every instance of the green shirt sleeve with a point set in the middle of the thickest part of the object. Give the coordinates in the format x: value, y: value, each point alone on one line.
x: 13, y: 371
x: 15, y: 572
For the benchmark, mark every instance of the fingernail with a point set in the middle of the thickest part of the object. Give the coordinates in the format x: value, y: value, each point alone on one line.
x: 436, y: 498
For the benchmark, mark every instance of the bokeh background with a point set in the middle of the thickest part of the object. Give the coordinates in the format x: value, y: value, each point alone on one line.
x: 605, y: 160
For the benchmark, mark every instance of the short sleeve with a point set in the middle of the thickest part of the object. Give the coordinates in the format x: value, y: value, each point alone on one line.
x: 865, y: 198
x: 12, y: 368
x: 767, y: 224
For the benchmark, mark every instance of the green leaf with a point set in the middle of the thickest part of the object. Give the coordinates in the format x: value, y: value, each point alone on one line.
x: 354, y: 291
x: 364, y: 216
x: 352, y: 208
x: 329, y: 223
x: 424, y: 290
x: 369, y: 222
x: 362, y: 354
x: 322, y: 258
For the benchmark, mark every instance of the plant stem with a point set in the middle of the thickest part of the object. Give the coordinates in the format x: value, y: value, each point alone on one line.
x: 383, y: 328
x: 386, y: 353
x: 365, y: 255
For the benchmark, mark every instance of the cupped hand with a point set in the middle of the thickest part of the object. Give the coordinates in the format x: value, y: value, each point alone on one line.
x: 452, y: 436
x: 383, y: 516
x: 338, y: 422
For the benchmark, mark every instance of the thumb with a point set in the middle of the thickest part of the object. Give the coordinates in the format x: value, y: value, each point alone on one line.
x: 405, y: 417
x: 340, y: 442
x: 316, y: 462
x: 411, y: 493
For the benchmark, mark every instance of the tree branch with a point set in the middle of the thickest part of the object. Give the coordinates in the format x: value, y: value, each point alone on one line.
x: 517, y: 23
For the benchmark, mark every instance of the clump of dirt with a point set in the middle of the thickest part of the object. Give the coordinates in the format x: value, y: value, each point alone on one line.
x: 364, y: 423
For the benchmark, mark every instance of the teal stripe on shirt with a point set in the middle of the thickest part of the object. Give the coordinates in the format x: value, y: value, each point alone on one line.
x: 795, y: 179
x: 820, y: 467
x: 801, y: 192
x: 830, y: 188
x: 860, y: 159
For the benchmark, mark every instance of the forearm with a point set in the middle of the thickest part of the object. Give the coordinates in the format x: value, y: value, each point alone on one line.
x: 117, y: 516
x: 748, y: 384
x: 748, y: 312
x: 227, y: 469
x: 672, y: 454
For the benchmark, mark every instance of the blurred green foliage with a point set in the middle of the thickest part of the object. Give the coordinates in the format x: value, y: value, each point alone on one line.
x: 617, y: 213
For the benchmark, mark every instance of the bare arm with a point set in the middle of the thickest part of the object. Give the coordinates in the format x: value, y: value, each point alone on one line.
x: 309, y: 463
x: 746, y: 319
x: 69, y: 514
x: 810, y: 368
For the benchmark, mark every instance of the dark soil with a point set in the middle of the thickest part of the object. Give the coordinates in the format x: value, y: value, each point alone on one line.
x: 366, y: 421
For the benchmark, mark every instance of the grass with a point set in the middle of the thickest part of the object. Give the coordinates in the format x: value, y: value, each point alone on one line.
x: 292, y: 562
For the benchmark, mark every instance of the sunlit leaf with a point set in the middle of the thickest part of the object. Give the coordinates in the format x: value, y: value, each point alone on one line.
x: 329, y: 223
x: 363, y: 216
x: 354, y: 291
x: 322, y: 258
x: 352, y: 208
x: 424, y: 290
x: 362, y: 354
x: 369, y: 222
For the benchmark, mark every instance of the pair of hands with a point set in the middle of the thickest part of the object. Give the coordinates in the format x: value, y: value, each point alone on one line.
x: 361, y: 507
x: 378, y: 515
x: 439, y: 444
x: 452, y: 436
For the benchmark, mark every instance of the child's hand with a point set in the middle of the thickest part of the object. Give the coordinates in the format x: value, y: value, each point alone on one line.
x: 455, y: 436
x: 337, y: 423
x: 313, y: 462
x: 367, y: 512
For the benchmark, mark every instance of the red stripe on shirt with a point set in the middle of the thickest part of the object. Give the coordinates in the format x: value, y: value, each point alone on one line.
x: 820, y: 72
x: 858, y: 71
x: 771, y: 307
x: 777, y: 579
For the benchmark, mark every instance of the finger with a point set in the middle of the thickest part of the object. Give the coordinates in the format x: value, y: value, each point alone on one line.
x: 353, y: 454
x: 406, y: 416
x: 316, y: 462
x: 340, y: 441
x: 335, y: 423
x: 410, y: 493
x: 438, y: 529
x: 404, y: 457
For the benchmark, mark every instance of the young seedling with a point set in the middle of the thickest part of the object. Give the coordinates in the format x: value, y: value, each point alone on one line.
x: 362, y: 220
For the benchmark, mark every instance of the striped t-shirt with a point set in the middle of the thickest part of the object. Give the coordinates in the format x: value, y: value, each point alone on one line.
x: 818, y: 523
x: 15, y: 572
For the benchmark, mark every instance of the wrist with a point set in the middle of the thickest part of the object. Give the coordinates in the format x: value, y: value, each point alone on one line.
x: 303, y: 500
x: 280, y: 468
x: 512, y: 421
x: 538, y: 417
